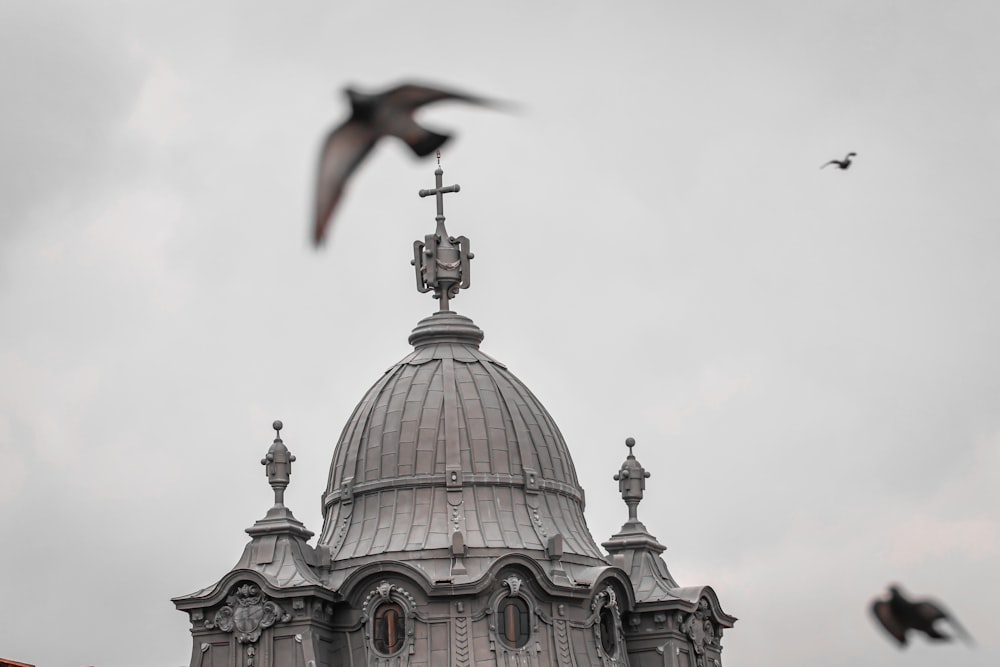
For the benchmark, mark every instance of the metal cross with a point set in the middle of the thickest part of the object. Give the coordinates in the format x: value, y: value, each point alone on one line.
x: 439, y: 191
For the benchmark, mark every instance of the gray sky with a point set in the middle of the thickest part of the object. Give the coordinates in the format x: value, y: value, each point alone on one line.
x: 808, y: 359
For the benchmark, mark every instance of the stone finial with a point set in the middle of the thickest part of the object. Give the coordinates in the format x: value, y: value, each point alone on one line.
x: 278, y: 462
x: 441, y: 261
x: 631, y: 480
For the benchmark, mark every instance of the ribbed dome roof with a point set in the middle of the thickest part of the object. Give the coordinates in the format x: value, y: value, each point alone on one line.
x: 449, y: 441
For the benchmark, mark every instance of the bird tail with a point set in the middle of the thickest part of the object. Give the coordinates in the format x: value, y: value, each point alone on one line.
x: 428, y: 143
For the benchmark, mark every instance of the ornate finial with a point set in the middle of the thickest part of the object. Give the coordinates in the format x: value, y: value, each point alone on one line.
x: 278, y: 462
x: 631, y: 481
x: 439, y: 157
x: 441, y: 261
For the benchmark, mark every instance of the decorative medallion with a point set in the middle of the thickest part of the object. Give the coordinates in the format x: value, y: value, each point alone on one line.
x: 248, y: 613
x: 700, y: 631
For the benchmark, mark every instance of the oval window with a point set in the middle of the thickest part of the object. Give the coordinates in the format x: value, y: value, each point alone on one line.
x: 388, y: 628
x: 514, y: 622
x: 609, y: 635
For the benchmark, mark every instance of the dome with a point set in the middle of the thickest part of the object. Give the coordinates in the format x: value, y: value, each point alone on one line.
x: 450, y: 456
x: 453, y: 531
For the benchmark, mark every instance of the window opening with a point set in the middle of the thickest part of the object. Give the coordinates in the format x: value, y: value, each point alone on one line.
x: 389, y: 628
x: 515, y: 622
x: 609, y: 635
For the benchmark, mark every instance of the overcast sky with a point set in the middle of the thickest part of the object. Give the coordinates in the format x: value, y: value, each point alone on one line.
x: 808, y: 359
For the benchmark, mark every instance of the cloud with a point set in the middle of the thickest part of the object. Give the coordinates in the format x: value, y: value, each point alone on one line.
x: 12, y: 453
x: 712, y: 389
x: 41, y: 411
x: 163, y: 105
x: 926, y: 538
x: 957, y: 521
x: 69, y: 81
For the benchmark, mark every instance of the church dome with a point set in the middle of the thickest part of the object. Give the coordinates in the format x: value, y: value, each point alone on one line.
x: 453, y: 531
x: 451, y: 456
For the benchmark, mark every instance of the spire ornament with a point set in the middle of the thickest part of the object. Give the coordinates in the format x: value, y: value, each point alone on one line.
x: 441, y: 261
x: 278, y: 468
x: 631, y: 480
x: 278, y: 462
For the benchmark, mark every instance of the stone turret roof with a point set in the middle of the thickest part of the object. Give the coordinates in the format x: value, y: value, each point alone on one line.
x: 639, y: 554
x: 278, y: 550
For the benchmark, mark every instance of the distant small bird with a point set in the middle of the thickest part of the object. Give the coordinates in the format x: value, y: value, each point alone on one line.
x: 843, y: 164
x: 374, y: 116
x: 898, y: 615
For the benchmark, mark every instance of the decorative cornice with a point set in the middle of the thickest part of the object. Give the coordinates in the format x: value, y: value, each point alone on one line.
x: 441, y: 480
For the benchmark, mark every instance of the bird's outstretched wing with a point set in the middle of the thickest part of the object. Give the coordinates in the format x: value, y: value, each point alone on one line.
x: 931, y: 612
x: 411, y: 96
x: 836, y: 162
x: 961, y: 631
x: 343, y: 150
x: 883, y: 612
x: 372, y: 117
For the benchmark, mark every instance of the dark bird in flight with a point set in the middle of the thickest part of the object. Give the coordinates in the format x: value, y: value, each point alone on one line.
x: 374, y: 116
x: 898, y: 615
x: 843, y: 164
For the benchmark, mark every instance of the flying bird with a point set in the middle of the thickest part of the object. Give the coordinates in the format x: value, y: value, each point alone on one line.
x: 843, y: 164
x: 374, y: 116
x: 898, y: 615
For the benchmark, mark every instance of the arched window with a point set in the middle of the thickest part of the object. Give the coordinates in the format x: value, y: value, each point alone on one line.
x: 514, y: 622
x: 607, y: 623
x: 388, y: 628
x: 609, y: 634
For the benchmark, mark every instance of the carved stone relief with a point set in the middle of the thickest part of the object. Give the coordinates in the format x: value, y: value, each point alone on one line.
x: 700, y: 631
x: 247, y: 613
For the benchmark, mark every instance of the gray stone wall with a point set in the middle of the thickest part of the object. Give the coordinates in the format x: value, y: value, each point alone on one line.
x: 464, y: 630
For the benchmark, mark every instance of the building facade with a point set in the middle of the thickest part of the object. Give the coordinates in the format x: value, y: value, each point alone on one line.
x: 453, y: 534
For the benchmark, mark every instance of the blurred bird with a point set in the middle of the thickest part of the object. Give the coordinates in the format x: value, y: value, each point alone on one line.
x: 374, y: 116
x: 898, y: 615
x: 843, y: 164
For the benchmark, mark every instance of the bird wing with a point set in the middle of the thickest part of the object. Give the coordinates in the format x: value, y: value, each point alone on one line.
x: 343, y: 151
x: 892, y: 625
x: 411, y: 96
x: 837, y: 162
x: 961, y: 631
x: 929, y: 611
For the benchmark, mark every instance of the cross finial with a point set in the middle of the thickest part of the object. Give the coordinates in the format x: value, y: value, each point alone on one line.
x: 439, y: 190
x: 441, y: 261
